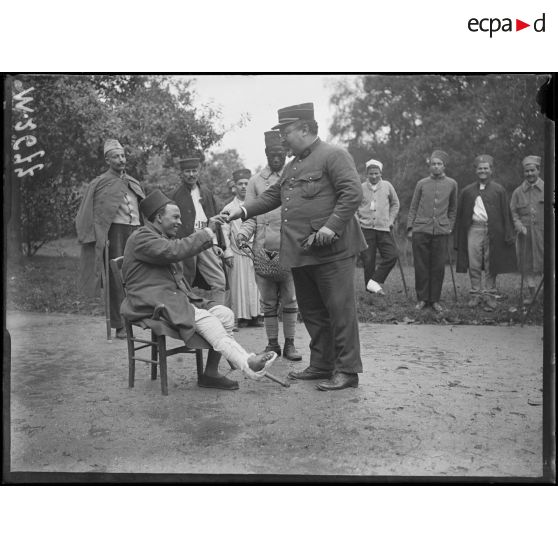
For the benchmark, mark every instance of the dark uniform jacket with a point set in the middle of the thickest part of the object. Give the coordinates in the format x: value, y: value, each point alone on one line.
x: 94, y: 218
x: 319, y: 187
x: 152, y: 275
x: 500, y: 228
x: 183, y: 199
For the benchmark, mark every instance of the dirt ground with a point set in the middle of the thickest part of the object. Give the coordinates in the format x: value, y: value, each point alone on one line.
x: 433, y: 400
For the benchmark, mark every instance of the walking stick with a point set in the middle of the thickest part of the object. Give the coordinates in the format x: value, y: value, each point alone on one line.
x: 532, y: 302
x: 452, y: 275
x: 106, y: 290
x: 523, y: 244
x: 399, y: 262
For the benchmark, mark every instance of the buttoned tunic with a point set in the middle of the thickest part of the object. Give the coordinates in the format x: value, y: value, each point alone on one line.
x: 152, y: 274
x: 385, y: 202
x: 527, y: 208
x: 319, y: 187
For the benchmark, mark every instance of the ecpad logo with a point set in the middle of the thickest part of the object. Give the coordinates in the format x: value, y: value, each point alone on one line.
x: 492, y: 25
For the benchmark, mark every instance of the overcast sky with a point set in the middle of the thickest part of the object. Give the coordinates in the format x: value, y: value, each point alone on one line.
x: 255, y: 99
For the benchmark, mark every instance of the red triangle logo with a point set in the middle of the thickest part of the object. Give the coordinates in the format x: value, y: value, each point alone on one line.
x: 519, y: 25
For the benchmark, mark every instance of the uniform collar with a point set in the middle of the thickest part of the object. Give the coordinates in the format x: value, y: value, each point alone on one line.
x: 266, y: 172
x: 309, y: 149
x: 539, y: 184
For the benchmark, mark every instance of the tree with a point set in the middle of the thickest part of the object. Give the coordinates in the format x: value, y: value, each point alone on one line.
x: 401, y: 119
x: 152, y: 116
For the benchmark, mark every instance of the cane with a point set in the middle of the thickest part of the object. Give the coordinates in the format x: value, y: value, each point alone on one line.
x: 399, y: 263
x: 452, y: 275
x: 106, y: 290
x: 532, y: 302
x: 523, y: 245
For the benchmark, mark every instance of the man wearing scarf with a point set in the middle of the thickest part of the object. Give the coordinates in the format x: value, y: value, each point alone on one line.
x: 108, y: 211
x: 484, y: 236
x: 527, y: 208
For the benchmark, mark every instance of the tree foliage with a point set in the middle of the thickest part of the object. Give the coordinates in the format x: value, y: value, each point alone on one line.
x: 401, y: 119
x: 152, y: 116
x: 217, y: 171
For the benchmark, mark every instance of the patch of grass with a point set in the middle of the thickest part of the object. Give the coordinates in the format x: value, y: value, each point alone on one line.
x: 49, y: 283
x: 396, y: 308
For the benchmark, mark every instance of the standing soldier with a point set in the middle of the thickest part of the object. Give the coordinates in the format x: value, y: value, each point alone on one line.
x: 527, y: 207
x: 377, y: 213
x: 108, y: 211
x: 429, y: 223
x: 197, y: 205
x: 319, y: 192
x: 277, y: 292
x: 484, y: 234
x: 244, y: 290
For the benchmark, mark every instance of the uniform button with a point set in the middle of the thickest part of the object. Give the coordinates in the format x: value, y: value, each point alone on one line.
x: 292, y: 178
x: 286, y: 209
x: 284, y: 220
x: 287, y: 199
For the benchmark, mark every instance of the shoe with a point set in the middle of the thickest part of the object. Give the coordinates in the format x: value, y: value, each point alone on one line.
x: 339, y: 380
x: 490, y: 303
x: 474, y: 301
x: 254, y: 322
x: 217, y: 382
x: 290, y: 352
x: 420, y: 305
x: 310, y: 373
x: 273, y: 347
x: 437, y: 307
x: 121, y: 333
x: 242, y: 323
x: 381, y: 292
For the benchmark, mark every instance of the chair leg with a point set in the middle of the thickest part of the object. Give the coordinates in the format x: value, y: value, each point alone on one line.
x: 154, y: 356
x: 131, y: 352
x: 163, y: 364
x: 199, y: 362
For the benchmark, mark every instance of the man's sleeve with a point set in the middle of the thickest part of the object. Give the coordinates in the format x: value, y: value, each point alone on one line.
x: 265, y: 202
x: 158, y: 250
x: 393, y: 204
x: 452, y: 205
x: 414, y: 206
x: 346, y: 182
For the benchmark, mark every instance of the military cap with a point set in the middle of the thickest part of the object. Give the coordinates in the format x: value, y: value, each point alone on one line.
x: 111, y: 144
x: 239, y: 174
x: 374, y: 163
x: 484, y: 159
x: 531, y: 160
x: 273, y: 138
x: 439, y: 154
x: 153, y: 202
x: 188, y: 163
x: 291, y: 114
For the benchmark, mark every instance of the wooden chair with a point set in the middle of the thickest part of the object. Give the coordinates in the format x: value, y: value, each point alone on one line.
x: 160, y: 330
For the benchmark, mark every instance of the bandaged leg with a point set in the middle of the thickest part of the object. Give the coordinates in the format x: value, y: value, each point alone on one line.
x: 212, y: 325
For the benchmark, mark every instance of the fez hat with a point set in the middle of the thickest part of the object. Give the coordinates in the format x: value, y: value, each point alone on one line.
x: 439, y: 154
x: 188, y: 163
x: 374, y: 163
x: 531, y: 160
x: 152, y: 203
x: 484, y: 159
x: 273, y: 138
x: 111, y: 144
x: 241, y: 173
x: 291, y: 114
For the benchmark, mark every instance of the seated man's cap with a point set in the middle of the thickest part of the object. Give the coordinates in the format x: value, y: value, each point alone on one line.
x: 484, y: 159
x: 531, y: 160
x: 291, y: 114
x: 241, y: 173
x: 188, y: 163
x: 153, y: 202
x: 374, y: 163
x: 273, y: 138
x: 439, y: 154
x: 111, y: 144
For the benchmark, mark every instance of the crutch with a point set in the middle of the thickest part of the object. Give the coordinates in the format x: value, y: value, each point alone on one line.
x: 532, y: 302
x: 399, y: 263
x: 106, y: 289
x: 452, y: 275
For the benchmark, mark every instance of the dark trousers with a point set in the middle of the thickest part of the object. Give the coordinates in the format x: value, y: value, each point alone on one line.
x: 326, y: 298
x: 378, y: 241
x: 429, y: 254
x: 117, y: 236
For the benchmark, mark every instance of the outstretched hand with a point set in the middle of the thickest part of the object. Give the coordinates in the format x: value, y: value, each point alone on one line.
x: 231, y: 214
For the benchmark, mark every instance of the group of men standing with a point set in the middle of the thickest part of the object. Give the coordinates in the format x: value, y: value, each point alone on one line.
x: 313, y: 215
x: 491, y: 234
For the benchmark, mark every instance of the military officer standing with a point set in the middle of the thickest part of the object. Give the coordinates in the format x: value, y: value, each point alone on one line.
x: 319, y: 193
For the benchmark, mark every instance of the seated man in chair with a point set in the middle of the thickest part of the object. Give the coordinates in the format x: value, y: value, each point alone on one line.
x: 152, y: 274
